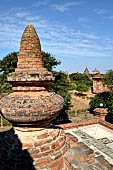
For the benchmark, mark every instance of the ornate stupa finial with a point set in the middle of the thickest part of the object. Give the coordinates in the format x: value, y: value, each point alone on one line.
x: 31, y: 103
x: 32, y: 144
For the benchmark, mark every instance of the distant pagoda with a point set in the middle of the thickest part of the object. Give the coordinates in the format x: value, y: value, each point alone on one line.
x: 68, y: 78
x: 86, y: 72
x: 95, y: 71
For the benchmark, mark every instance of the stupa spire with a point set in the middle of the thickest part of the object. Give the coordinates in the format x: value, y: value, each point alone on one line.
x: 30, y: 58
x: 30, y: 40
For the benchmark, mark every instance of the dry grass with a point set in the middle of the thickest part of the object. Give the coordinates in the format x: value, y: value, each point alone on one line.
x: 78, y: 109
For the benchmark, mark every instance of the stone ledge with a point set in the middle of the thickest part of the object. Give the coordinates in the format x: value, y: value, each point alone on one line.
x: 85, y: 123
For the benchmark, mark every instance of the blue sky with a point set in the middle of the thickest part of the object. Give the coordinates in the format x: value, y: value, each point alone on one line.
x: 79, y: 33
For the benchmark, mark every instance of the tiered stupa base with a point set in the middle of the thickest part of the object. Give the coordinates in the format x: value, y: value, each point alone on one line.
x: 33, y: 149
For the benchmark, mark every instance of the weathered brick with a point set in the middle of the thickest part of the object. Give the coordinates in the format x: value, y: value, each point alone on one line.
x: 37, y: 155
x: 45, y: 148
x: 58, y: 163
x: 61, y: 144
x: 42, y: 136
x: 27, y: 145
x: 67, y: 165
x: 55, y: 145
x: 42, y: 162
x: 104, y: 162
x: 42, y: 142
x: 54, y: 134
x: 33, y: 151
x: 47, y: 153
x: 57, y: 155
x: 64, y: 150
x: 82, y: 146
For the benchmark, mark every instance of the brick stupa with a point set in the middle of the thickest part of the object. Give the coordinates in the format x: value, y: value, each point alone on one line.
x: 32, y: 144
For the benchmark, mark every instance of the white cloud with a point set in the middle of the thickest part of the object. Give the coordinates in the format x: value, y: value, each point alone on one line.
x: 109, y: 17
x: 85, y: 41
x: 100, y: 11
x: 82, y: 20
x: 56, y: 39
x: 86, y: 35
x: 21, y: 14
x: 32, y: 18
x: 64, y: 7
x: 41, y: 3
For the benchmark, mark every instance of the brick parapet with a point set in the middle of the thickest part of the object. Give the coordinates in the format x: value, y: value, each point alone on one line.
x: 78, y: 124
x: 106, y: 124
x: 86, y: 123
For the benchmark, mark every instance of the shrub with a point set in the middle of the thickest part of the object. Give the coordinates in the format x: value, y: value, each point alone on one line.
x: 108, y: 79
x: 82, y: 88
x: 99, y: 98
x: 61, y: 86
x: 110, y: 108
x: 106, y: 98
x: 80, y: 78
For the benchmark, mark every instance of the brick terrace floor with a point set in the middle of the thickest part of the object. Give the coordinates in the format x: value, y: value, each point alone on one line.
x: 94, y: 149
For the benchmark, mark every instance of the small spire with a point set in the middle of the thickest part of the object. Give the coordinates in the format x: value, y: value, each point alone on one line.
x: 30, y: 40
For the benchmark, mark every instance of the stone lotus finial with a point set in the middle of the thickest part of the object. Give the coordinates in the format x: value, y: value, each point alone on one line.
x: 31, y: 103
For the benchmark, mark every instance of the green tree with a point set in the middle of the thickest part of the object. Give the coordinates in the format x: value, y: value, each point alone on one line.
x: 50, y: 61
x: 61, y: 86
x: 110, y: 108
x: 82, y: 88
x: 80, y: 78
x: 106, y: 98
x: 99, y: 98
x: 9, y: 63
x: 108, y: 79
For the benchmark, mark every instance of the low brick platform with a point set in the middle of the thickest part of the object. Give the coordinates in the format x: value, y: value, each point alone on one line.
x: 81, y: 157
x: 88, y: 150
